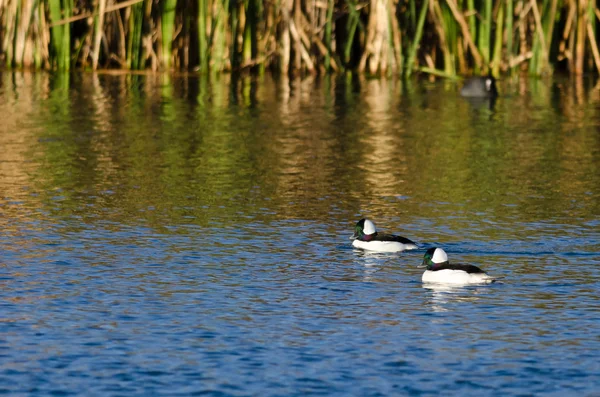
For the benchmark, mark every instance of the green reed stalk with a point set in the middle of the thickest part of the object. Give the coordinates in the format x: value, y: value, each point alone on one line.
x: 66, y: 44
x: 250, y: 36
x: 353, y: 23
x: 509, y: 33
x: 412, y: 54
x: 442, y: 30
x: 40, y: 26
x: 250, y: 43
x: 412, y: 12
x: 328, y: 29
x: 235, y: 22
x: 219, y: 41
x: 54, y: 9
x: 534, y: 61
x: 134, y: 38
x: 591, y: 22
x: 472, y: 18
x: 484, y: 33
x: 350, y: 32
x: 167, y: 29
x: 591, y: 8
x: 390, y: 56
x: 537, y: 62
x: 498, y: 43
x: 203, y: 49
x: 257, y: 12
x: 61, y: 34
x: 247, y: 37
x: 451, y: 28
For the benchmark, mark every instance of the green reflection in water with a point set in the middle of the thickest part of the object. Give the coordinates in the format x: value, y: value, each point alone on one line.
x: 163, y: 151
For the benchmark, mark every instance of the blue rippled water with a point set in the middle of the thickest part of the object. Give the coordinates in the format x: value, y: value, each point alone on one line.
x: 209, y: 255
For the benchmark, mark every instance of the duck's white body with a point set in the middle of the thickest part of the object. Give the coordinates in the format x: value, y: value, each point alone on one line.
x: 366, y: 237
x: 383, y: 246
x: 440, y: 271
x: 455, y: 277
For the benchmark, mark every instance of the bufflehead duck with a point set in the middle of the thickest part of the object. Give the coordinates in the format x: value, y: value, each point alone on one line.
x: 366, y: 237
x: 480, y: 86
x: 440, y: 271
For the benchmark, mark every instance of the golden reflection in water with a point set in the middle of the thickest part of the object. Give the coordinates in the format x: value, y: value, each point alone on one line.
x: 16, y: 133
x: 21, y: 94
x: 382, y: 143
x: 149, y: 141
x: 304, y: 144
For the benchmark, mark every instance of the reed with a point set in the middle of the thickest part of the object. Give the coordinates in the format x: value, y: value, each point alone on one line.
x: 395, y: 40
x: 219, y: 40
x: 25, y: 10
x: 509, y: 34
x: 496, y: 60
x: 415, y: 44
x: 472, y: 12
x: 351, y: 26
x: 167, y: 30
x: 399, y: 37
x: 328, y: 34
x: 9, y: 14
x: 485, y: 26
x: 61, y: 33
x: 254, y: 12
x: 98, y: 32
x: 203, y: 48
x: 134, y: 38
x: 248, y: 22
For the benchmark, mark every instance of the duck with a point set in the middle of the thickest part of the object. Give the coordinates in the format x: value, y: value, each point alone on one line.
x: 366, y: 237
x: 480, y: 87
x: 439, y: 270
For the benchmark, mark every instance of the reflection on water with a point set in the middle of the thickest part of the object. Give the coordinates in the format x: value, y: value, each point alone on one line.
x: 442, y: 294
x: 372, y: 262
x: 103, y: 138
x: 190, y: 233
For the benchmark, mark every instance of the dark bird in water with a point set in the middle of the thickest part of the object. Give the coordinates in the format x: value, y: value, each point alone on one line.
x: 480, y: 87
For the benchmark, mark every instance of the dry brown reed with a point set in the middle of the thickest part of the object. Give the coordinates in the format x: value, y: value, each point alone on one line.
x: 376, y: 37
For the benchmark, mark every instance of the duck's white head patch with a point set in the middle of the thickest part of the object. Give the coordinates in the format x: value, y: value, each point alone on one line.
x: 488, y: 84
x: 369, y: 227
x: 439, y: 256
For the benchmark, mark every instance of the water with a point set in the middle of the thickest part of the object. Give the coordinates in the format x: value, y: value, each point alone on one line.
x: 169, y: 236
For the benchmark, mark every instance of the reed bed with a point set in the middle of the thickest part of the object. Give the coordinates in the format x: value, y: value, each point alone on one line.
x: 377, y: 37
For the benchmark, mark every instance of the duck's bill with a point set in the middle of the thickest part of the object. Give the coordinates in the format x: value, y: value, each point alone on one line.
x: 423, y: 264
x: 353, y: 237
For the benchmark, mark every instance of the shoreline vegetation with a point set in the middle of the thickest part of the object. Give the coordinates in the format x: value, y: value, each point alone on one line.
x: 446, y: 38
